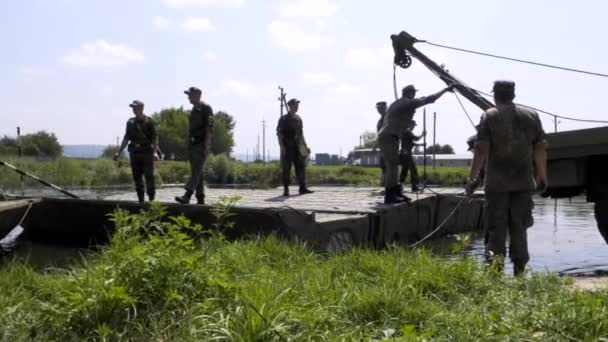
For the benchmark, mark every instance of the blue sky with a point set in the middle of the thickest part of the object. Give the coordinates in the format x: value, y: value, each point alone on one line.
x: 72, y: 66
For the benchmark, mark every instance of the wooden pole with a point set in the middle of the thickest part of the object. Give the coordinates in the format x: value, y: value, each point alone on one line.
x: 20, y: 161
x: 424, y: 145
x: 434, y: 137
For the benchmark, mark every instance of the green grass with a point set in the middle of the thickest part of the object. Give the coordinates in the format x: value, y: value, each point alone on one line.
x: 218, y: 170
x: 156, y: 283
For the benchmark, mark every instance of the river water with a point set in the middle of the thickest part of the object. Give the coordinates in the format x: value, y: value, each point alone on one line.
x: 564, y: 238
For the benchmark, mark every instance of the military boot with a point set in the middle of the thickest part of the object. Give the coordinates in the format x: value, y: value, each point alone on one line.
x: 200, y: 199
x: 390, y: 196
x: 519, y: 269
x: 304, y: 190
x: 185, y: 199
x: 415, y: 187
x: 285, y: 190
x: 398, y: 191
x: 151, y: 197
x: 140, y: 197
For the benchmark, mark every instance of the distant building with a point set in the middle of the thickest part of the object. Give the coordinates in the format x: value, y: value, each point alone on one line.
x: 368, y: 157
x: 327, y: 159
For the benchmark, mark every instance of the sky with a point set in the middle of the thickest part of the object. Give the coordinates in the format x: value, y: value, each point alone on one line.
x: 71, y: 67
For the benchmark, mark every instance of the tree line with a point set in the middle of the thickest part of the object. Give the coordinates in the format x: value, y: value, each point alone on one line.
x: 172, y: 125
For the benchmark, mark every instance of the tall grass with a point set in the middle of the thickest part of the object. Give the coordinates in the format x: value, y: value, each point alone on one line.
x: 159, y: 280
x: 218, y: 170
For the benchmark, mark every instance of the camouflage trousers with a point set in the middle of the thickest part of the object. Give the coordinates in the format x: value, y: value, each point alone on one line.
x: 407, y: 164
x: 142, y: 167
x: 197, y: 157
x: 389, y: 148
x: 508, y: 213
x: 292, y: 157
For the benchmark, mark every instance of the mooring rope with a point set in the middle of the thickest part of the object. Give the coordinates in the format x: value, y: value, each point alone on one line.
x: 441, y: 225
x: 29, y: 206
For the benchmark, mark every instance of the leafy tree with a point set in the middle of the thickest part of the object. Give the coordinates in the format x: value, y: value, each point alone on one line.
x: 440, y: 149
x: 110, y: 151
x: 368, y: 139
x: 8, y: 146
x: 226, y: 118
x: 39, y: 144
x: 222, y: 139
x: 173, y: 124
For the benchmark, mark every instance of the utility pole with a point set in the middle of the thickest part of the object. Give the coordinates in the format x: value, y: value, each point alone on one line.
x: 282, y: 99
x: 434, y: 136
x: 424, y: 145
x: 19, y: 155
x: 555, y: 123
x: 257, y: 157
x: 264, y: 140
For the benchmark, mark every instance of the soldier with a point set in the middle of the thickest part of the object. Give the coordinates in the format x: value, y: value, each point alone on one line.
x: 511, y: 144
x: 381, y: 108
x: 406, y: 159
x: 199, y: 140
x: 293, y: 147
x: 396, y: 120
x: 142, y: 137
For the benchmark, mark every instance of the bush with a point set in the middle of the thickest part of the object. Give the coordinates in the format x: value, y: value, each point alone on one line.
x: 160, y: 280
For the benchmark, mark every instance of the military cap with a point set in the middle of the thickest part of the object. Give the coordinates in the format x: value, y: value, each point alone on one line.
x: 409, y: 88
x: 193, y: 90
x: 381, y: 104
x: 136, y: 103
x: 293, y: 101
x: 504, y: 86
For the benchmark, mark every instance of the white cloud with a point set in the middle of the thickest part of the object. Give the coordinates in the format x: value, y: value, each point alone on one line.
x: 368, y: 57
x: 102, y: 53
x: 244, y: 89
x: 321, y: 78
x: 309, y: 8
x: 292, y: 36
x: 161, y: 23
x: 198, y: 24
x: 203, y: 3
x: 210, y: 56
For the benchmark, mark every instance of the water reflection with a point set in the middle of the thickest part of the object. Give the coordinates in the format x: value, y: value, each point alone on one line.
x: 564, y: 238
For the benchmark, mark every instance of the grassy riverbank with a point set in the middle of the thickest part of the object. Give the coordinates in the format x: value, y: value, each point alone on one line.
x: 154, y: 283
x: 218, y: 170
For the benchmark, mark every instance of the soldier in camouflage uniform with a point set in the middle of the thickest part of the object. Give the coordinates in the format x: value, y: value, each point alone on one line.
x: 511, y: 144
x: 199, y: 140
x: 293, y: 147
x: 142, y: 137
x: 396, y: 120
x: 406, y: 158
x: 381, y: 108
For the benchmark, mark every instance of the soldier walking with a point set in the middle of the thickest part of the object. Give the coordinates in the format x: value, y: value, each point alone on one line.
x: 511, y: 144
x: 381, y: 108
x: 396, y: 120
x: 142, y: 139
x: 293, y: 147
x: 406, y: 157
x: 199, y: 140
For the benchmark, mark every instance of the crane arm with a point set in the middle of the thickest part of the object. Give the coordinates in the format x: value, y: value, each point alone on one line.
x: 403, y: 43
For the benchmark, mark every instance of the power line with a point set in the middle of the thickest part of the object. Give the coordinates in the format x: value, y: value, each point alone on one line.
x: 517, y: 60
x: 464, y: 109
x: 549, y: 113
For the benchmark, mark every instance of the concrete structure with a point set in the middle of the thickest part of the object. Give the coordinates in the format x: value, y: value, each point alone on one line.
x: 368, y: 157
x: 327, y: 159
